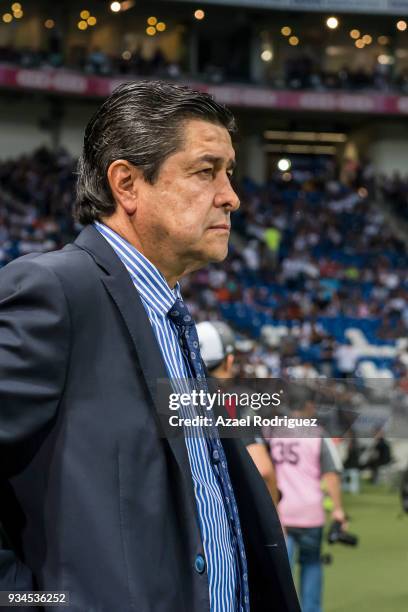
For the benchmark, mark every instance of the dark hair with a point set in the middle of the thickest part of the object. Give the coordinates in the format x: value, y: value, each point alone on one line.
x: 141, y: 122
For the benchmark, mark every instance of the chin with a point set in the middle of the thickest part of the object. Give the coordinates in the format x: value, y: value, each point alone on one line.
x: 210, y: 253
x: 217, y: 255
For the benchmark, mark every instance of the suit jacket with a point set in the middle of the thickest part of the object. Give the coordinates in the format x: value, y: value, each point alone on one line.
x: 94, y: 500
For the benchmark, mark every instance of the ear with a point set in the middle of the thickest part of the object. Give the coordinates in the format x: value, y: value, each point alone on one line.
x: 123, y: 178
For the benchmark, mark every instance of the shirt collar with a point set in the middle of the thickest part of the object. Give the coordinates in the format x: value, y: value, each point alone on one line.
x: 148, y: 280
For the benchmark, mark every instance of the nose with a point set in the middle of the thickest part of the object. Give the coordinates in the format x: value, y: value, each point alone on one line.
x: 226, y: 195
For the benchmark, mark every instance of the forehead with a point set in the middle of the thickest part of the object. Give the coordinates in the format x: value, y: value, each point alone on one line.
x: 201, y: 137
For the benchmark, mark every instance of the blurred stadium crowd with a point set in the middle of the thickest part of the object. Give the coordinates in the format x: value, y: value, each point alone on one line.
x: 316, y: 282
x: 299, y: 69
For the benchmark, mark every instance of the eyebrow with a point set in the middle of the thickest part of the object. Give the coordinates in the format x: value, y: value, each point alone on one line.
x: 214, y: 159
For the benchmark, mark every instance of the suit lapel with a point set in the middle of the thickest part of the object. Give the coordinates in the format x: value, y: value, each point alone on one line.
x: 122, y: 290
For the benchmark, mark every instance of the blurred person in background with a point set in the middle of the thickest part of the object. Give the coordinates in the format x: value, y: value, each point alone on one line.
x: 217, y: 346
x: 346, y: 359
x: 376, y: 455
x: 301, y: 463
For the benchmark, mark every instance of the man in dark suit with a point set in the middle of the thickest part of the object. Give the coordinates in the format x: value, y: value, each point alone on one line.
x: 96, y: 501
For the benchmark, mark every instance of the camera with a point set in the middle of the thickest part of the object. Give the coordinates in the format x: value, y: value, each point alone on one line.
x: 338, y: 534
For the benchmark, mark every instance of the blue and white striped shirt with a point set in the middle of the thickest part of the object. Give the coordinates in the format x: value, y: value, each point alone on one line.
x: 157, y: 299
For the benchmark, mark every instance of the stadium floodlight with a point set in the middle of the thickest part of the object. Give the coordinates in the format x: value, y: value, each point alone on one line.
x: 115, y: 7
x: 267, y: 55
x: 355, y: 34
x: 284, y: 164
x: 402, y: 25
x: 385, y: 60
x: 199, y: 14
x: 332, y: 23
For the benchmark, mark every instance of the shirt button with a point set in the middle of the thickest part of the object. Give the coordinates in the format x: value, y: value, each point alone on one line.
x: 199, y: 564
x: 216, y: 456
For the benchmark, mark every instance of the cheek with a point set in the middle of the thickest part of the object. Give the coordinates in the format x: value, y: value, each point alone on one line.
x: 190, y: 216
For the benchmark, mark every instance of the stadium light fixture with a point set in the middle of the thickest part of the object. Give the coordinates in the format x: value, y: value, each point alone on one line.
x: 332, y: 23
x: 16, y: 6
x: 161, y: 26
x: 49, y: 24
x: 300, y: 149
x: 286, y: 31
x: 7, y: 17
x: 367, y: 39
x: 360, y: 44
x: 82, y: 25
x: 115, y: 7
x: 84, y: 15
x: 199, y: 14
x: 150, y: 30
x: 267, y: 55
x: 401, y: 25
x: 151, y: 21
x: 294, y: 41
x: 385, y: 60
x: 355, y: 34
x: 284, y: 164
x: 91, y: 21
x: 125, y: 5
x: 305, y: 136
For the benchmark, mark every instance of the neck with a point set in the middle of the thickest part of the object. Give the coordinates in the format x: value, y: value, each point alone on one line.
x: 171, y: 270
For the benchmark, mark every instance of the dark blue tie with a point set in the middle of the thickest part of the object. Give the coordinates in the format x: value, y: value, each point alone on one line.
x: 187, y: 333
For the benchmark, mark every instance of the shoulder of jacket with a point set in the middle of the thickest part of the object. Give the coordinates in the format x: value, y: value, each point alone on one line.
x: 68, y: 259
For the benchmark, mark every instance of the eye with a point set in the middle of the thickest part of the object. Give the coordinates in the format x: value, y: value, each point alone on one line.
x: 206, y: 171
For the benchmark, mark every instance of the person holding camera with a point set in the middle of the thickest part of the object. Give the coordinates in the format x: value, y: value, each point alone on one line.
x: 301, y: 463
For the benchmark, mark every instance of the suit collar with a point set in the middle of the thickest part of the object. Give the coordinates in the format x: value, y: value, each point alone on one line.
x: 91, y: 241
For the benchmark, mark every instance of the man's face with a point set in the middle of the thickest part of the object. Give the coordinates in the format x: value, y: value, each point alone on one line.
x: 184, y: 218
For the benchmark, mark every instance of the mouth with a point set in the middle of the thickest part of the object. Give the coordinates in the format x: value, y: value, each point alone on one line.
x: 221, y: 227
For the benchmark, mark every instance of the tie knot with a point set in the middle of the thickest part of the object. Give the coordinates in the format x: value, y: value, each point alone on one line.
x: 180, y: 314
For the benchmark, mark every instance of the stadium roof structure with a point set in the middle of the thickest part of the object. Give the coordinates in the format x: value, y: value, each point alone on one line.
x: 389, y: 7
